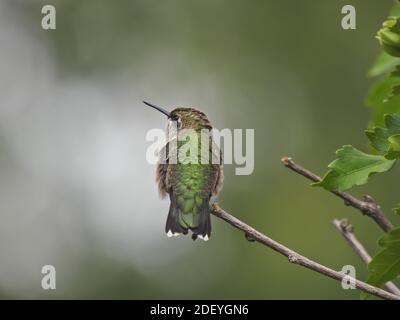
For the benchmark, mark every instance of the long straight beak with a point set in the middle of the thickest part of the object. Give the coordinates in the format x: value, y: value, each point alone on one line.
x: 158, y: 108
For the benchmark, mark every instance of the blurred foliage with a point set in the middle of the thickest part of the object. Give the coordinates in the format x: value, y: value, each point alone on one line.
x: 287, y: 69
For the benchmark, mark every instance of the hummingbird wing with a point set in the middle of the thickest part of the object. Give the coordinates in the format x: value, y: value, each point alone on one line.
x: 219, y: 181
x: 165, y: 177
x: 161, y: 173
x: 162, y: 177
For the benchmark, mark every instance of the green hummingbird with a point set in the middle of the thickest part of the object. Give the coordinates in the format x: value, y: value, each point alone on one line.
x: 192, y: 185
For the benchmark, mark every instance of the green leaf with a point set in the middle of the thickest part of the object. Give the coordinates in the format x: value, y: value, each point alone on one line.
x: 352, y: 168
x: 396, y: 87
x: 396, y: 72
x: 392, y: 122
x: 397, y: 210
x: 385, y: 266
x: 383, y: 64
x: 390, y: 238
x: 395, y: 90
x: 379, y: 137
x: 394, y: 149
x: 377, y: 99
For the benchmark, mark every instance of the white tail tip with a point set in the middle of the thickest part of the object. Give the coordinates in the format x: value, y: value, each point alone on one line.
x: 170, y: 234
x: 205, y: 238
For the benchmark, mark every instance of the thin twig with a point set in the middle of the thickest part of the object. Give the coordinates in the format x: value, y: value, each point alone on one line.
x: 347, y: 231
x: 297, y: 258
x: 368, y: 206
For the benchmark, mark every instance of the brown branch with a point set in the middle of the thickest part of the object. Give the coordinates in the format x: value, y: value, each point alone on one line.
x: 368, y: 206
x: 347, y: 231
x: 295, y: 257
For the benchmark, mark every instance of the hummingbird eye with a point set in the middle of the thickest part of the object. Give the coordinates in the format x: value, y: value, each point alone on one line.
x: 175, y: 119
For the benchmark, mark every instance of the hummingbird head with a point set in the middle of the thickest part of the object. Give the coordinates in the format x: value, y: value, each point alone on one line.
x: 190, y: 118
x: 185, y: 118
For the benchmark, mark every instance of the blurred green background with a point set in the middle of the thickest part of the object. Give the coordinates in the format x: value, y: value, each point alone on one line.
x: 76, y: 191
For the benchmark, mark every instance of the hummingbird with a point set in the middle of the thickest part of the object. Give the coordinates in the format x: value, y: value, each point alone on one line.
x: 192, y: 186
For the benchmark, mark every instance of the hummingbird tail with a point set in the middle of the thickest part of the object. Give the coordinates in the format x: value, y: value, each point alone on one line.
x: 203, y: 230
x: 177, y: 222
x: 173, y: 227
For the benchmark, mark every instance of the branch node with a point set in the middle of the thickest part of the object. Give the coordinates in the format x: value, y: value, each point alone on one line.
x: 293, y: 258
x: 346, y: 226
x: 368, y: 198
x: 286, y: 161
x: 249, y: 237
